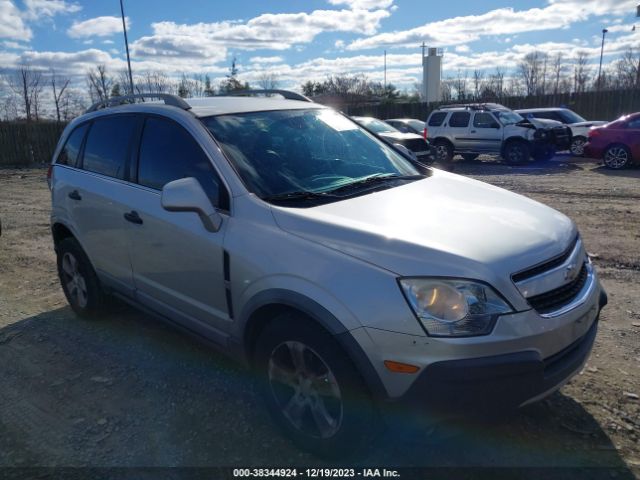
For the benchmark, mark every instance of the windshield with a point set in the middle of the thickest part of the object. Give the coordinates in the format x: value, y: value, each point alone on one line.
x: 571, y: 117
x: 417, y: 125
x: 375, y: 125
x: 508, y: 117
x: 316, y: 150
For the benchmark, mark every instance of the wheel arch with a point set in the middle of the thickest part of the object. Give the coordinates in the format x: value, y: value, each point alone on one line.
x: 266, y: 305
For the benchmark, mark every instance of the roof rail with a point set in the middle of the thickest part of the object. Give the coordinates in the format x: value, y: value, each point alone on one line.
x: 287, y: 94
x: 473, y: 106
x: 169, y: 99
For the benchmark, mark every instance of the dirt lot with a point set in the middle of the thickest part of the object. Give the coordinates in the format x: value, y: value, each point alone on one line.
x: 129, y: 391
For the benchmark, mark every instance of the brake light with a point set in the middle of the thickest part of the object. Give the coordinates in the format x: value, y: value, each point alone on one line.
x: 49, y: 171
x: 425, y: 132
x: 594, y: 132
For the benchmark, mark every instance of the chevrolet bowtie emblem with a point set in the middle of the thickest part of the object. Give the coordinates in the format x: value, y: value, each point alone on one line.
x: 570, y: 272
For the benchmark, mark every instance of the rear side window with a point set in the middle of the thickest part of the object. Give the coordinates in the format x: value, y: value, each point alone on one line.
x: 168, y: 152
x: 634, y: 123
x: 108, y: 145
x: 71, y: 151
x: 459, y: 119
x: 437, y: 118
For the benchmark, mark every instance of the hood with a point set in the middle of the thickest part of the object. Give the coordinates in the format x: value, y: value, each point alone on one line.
x: 594, y: 123
x: 399, y: 136
x: 445, y: 225
x: 544, y: 122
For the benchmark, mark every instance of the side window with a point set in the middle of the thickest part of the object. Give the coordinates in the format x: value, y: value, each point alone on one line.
x: 71, y: 151
x: 634, y: 123
x: 437, y: 118
x: 168, y: 152
x: 459, y: 119
x: 484, y: 120
x: 108, y: 145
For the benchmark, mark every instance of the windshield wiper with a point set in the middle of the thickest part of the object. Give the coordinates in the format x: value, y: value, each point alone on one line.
x: 375, y: 178
x: 298, y: 195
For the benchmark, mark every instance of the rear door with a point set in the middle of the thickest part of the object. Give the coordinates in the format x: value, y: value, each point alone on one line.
x: 95, y: 195
x: 633, y: 138
x: 177, y: 264
x: 458, y: 129
x: 485, y: 134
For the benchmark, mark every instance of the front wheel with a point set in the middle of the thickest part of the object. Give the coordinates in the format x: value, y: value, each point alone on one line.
x: 577, y: 146
x: 616, y: 157
x: 517, y: 153
x: 312, y: 389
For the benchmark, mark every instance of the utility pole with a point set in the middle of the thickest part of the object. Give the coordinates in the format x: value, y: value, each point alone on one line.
x: 385, y: 70
x: 604, y: 32
x: 126, y: 45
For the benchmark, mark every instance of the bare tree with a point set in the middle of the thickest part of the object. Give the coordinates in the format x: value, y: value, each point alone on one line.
x: 268, y: 81
x: 99, y: 83
x: 530, y: 71
x: 460, y: 86
x: 627, y: 70
x: 59, y: 86
x: 580, y: 72
x: 478, y: 80
x: 26, y: 84
x: 557, y: 71
x: 10, y: 107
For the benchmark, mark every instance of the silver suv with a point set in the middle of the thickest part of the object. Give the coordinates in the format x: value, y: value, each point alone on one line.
x: 490, y: 128
x: 321, y: 257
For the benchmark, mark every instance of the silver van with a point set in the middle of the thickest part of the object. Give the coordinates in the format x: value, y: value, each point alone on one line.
x: 345, y: 275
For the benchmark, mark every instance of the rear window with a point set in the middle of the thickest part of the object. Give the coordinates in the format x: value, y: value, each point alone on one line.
x: 108, y: 144
x: 459, y: 119
x: 71, y: 151
x: 437, y: 118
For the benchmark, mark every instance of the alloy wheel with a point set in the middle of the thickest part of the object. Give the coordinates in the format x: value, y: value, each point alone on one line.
x: 577, y: 147
x: 74, y: 281
x: 616, y: 157
x: 305, y: 389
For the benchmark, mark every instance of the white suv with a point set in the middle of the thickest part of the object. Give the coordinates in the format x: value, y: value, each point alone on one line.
x: 323, y: 258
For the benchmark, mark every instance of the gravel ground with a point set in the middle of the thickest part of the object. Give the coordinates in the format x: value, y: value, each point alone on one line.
x: 127, y: 390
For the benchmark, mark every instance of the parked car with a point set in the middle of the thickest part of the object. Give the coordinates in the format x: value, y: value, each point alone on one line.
x: 616, y: 143
x: 579, y: 126
x: 307, y: 248
x: 408, y: 125
x: 412, y: 141
x: 490, y: 128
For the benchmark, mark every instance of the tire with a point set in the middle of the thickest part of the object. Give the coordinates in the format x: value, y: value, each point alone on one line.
x: 577, y: 146
x: 312, y: 389
x: 469, y: 157
x: 444, y: 151
x: 616, y: 157
x: 78, y: 279
x: 517, y: 153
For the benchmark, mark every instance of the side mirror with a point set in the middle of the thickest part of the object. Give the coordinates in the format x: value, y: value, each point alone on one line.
x: 187, y: 195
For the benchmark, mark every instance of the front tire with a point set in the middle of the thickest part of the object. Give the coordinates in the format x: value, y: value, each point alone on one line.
x: 78, y: 279
x: 517, y: 153
x: 444, y: 151
x: 577, y: 146
x: 617, y: 157
x: 312, y: 389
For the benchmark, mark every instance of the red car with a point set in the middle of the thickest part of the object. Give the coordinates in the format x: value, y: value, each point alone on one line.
x: 617, y: 143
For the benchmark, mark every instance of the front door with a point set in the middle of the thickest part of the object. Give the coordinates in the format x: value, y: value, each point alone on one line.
x: 485, y: 134
x: 177, y: 263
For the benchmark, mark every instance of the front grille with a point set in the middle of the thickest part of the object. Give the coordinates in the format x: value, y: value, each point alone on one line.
x: 559, y: 297
x: 545, y: 266
x: 416, y: 145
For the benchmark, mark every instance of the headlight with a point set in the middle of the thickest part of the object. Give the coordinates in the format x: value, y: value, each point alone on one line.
x: 454, y: 308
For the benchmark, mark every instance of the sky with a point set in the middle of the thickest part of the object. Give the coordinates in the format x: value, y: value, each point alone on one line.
x: 307, y: 40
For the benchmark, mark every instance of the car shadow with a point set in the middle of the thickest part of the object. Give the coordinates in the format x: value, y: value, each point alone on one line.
x: 128, y: 391
x: 631, y: 172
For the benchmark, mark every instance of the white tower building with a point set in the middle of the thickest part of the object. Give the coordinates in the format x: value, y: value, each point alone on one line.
x: 431, y: 74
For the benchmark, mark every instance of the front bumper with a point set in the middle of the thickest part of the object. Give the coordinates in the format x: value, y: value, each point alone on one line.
x: 497, y: 383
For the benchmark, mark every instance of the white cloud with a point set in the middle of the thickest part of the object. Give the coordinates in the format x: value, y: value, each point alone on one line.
x: 37, y: 9
x: 262, y: 60
x: 97, y: 27
x: 11, y: 23
x: 363, y: 4
x: 14, y: 45
x: 339, y: 44
x: 462, y: 48
x: 503, y: 21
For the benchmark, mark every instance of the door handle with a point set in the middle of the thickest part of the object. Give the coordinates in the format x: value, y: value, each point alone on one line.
x: 133, y: 217
x: 75, y: 195
x: 473, y: 131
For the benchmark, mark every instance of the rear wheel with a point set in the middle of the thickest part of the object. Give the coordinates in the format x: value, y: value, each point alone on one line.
x: 577, y: 146
x: 79, y: 281
x: 311, y: 388
x: 444, y: 151
x: 617, y: 156
x: 517, y: 153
